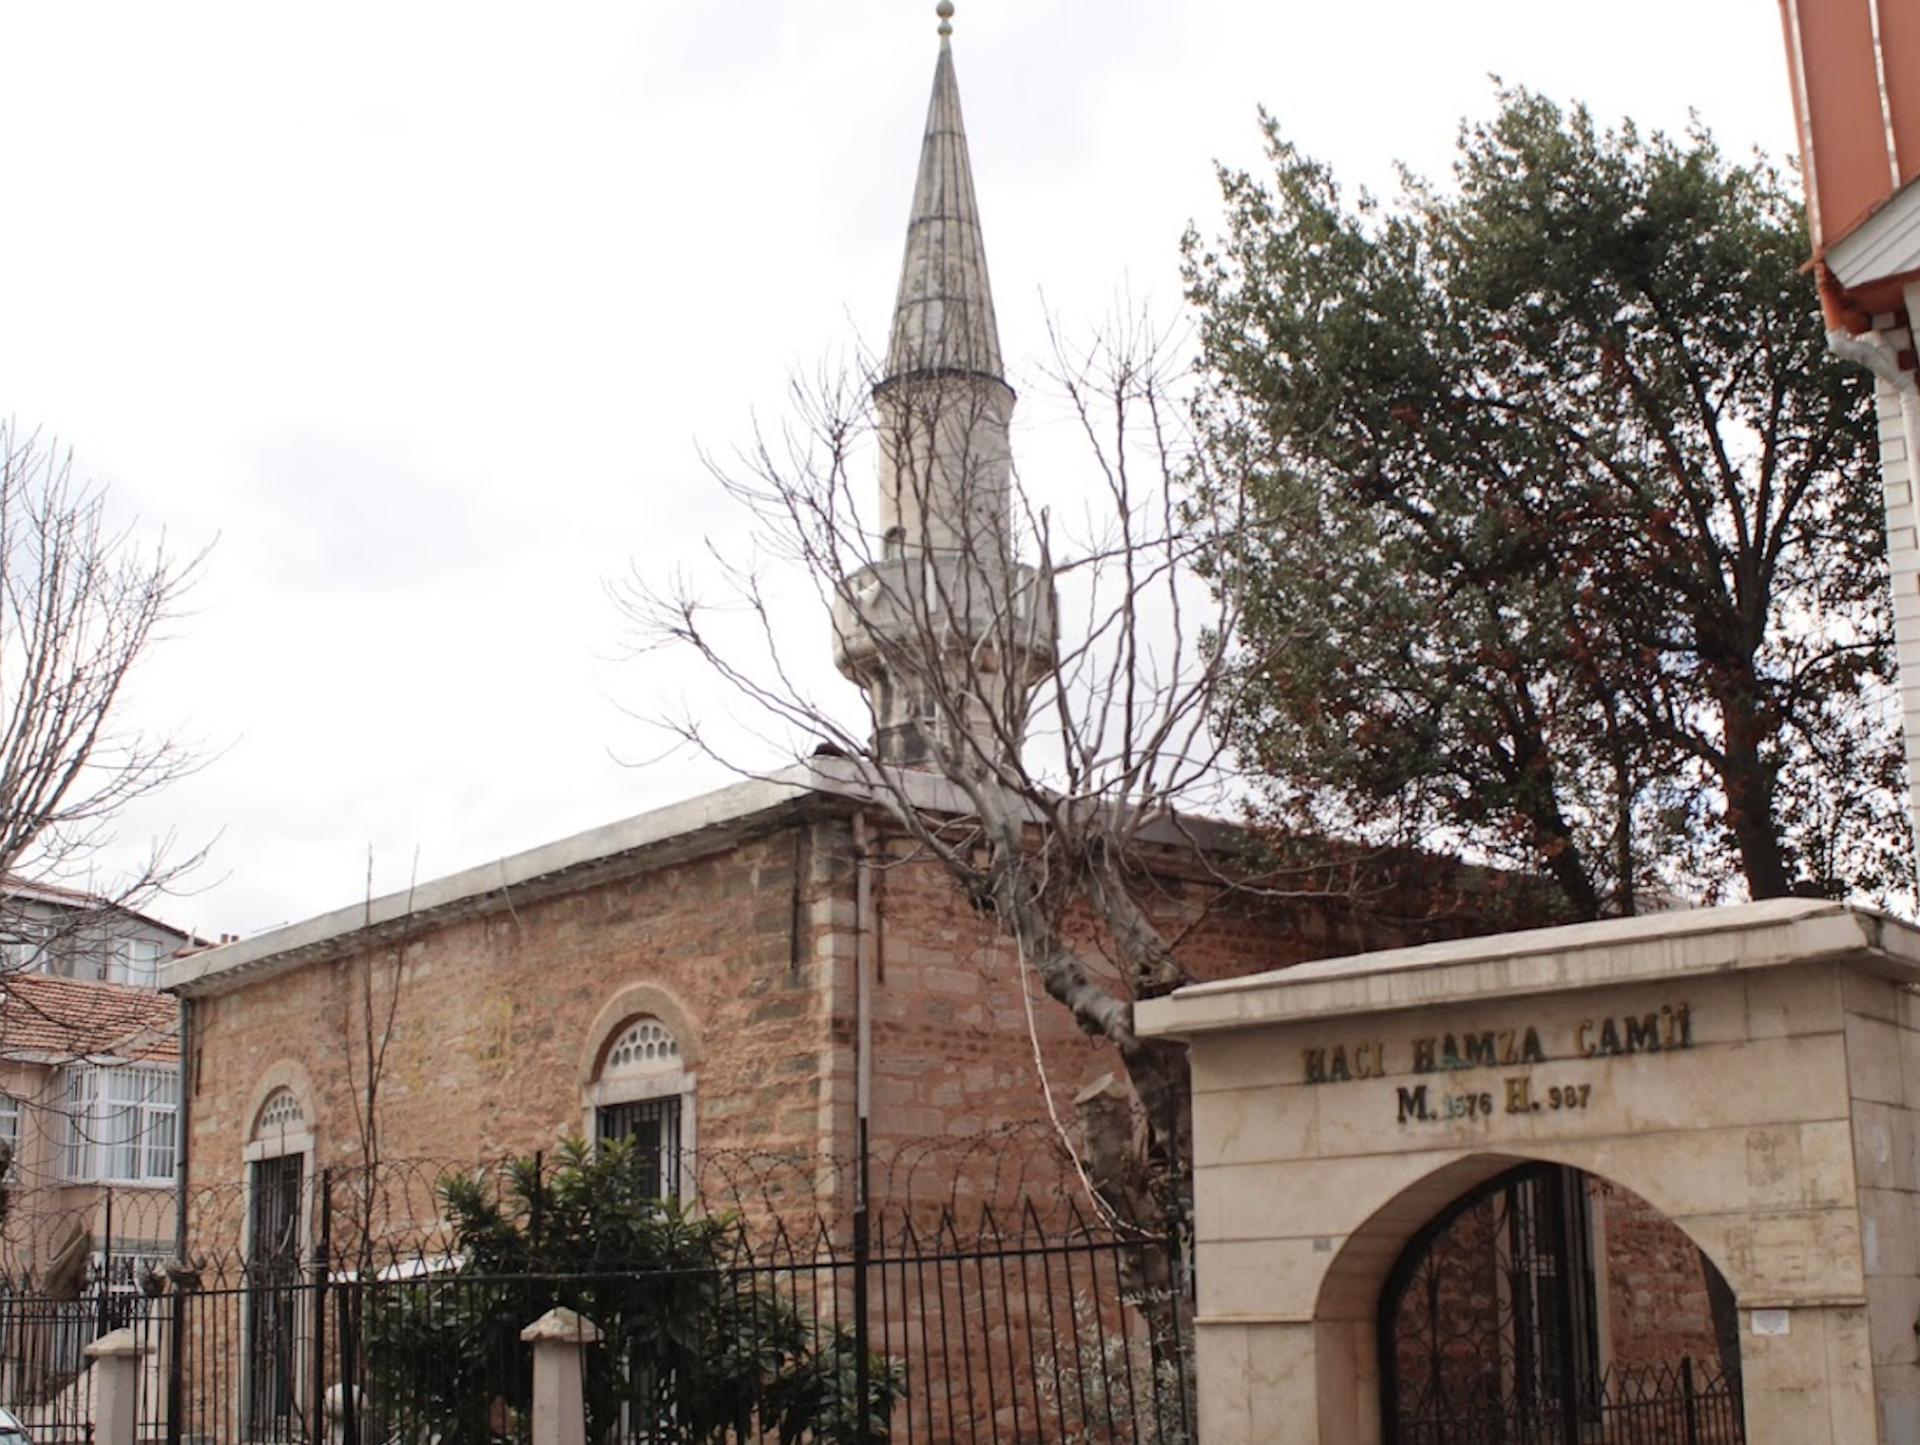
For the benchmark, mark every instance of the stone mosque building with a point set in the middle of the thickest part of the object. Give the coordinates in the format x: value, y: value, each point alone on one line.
x: 754, y: 971
x: 772, y: 971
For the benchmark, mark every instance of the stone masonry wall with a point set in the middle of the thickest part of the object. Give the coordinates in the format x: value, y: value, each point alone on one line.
x: 963, y: 1036
x: 489, y: 1023
x: 494, y: 1016
x: 1657, y: 1306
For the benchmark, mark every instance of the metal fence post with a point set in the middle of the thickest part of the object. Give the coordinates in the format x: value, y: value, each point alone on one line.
x: 317, y: 1351
x: 176, y: 1344
x: 1692, y: 1401
x: 104, y: 1300
x: 862, y: 1259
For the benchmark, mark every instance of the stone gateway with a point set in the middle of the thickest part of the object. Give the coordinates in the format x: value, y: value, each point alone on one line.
x: 1545, y: 1174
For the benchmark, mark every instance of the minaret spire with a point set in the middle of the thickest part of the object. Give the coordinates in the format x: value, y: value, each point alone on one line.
x: 945, y: 630
x: 943, y: 318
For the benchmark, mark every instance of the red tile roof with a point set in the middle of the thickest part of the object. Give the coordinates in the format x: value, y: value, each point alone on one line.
x: 62, y: 1018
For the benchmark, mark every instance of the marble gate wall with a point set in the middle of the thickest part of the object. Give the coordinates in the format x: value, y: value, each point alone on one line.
x: 1753, y: 1073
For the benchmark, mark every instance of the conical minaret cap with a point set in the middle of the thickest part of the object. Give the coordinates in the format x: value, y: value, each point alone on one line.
x: 943, y: 318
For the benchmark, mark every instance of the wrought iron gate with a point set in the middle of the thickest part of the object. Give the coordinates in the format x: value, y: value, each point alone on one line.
x: 1488, y: 1334
x: 273, y: 1278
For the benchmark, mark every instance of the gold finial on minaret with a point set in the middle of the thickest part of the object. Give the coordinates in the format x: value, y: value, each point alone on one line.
x: 945, y: 11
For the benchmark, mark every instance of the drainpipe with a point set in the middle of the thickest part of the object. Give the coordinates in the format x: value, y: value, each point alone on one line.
x: 176, y: 1298
x: 863, y: 953
x: 1878, y: 356
x: 865, y: 935
x: 182, y: 1133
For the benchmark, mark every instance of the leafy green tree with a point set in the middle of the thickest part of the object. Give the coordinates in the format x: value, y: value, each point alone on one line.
x: 1565, y: 543
x: 697, y: 1343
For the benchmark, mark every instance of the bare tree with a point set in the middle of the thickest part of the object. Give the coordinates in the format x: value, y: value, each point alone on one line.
x: 1030, y: 724
x: 372, y: 979
x: 83, y: 601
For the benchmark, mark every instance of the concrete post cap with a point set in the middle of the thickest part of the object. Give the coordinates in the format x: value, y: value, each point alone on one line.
x: 561, y: 1325
x: 121, y: 1344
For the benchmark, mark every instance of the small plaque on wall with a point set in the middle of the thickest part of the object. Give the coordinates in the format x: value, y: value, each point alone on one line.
x: 1772, y: 1322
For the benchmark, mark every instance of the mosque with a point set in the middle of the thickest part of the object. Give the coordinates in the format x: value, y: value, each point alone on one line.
x: 774, y: 968
x: 782, y: 970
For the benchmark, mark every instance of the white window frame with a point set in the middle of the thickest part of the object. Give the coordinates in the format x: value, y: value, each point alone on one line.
x: 26, y: 949
x: 134, y: 959
x: 10, y: 1114
x: 113, y: 1108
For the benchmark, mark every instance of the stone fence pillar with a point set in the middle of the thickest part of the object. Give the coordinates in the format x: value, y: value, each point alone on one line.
x: 559, y: 1338
x: 116, y: 1386
x: 341, y: 1406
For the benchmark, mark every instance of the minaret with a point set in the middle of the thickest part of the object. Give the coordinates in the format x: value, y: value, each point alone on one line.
x: 945, y: 630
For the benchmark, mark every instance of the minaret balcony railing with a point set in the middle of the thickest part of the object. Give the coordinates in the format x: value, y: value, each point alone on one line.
x: 922, y: 611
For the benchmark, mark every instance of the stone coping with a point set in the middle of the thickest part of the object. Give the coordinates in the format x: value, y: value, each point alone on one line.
x: 1682, y: 944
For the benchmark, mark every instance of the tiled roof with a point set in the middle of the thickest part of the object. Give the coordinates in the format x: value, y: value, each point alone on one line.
x: 61, y: 1018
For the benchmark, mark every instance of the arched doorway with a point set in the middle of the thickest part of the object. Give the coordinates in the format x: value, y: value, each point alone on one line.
x: 1548, y: 1307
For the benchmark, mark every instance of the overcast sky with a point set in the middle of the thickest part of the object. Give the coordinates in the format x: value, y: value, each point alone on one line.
x: 424, y: 314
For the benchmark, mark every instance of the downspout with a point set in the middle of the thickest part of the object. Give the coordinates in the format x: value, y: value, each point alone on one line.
x: 1878, y: 356
x: 183, y: 1132
x: 865, y: 930
x: 863, y: 952
x: 176, y: 1287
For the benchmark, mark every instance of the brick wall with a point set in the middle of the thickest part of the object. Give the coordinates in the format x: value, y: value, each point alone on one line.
x: 490, y: 1022
x: 494, y: 1018
x: 1657, y: 1306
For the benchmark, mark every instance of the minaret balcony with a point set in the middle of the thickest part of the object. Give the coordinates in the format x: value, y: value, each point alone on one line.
x: 980, y: 616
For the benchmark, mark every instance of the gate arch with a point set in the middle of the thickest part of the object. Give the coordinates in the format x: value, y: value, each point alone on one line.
x: 1496, y: 1322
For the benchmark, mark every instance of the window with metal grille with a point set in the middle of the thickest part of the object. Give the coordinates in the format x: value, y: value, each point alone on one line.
x: 652, y: 1126
x: 120, y: 1124
x: 10, y: 1134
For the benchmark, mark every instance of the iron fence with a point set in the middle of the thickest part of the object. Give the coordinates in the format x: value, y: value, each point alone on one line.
x: 1683, y: 1403
x: 960, y: 1323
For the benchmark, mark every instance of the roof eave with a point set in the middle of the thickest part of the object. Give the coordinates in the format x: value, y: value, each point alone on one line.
x: 709, y: 823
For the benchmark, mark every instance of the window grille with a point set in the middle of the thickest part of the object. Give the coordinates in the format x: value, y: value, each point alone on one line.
x: 121, y: 1124
x: 652, y: 1126
x: 279, y: 1115
x: 645, y: 1048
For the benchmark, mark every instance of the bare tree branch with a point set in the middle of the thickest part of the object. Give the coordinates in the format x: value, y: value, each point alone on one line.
x: 1039, y: 696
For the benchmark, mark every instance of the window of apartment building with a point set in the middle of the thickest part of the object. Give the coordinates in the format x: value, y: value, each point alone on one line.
x: 120, y: 1123
x: 10, y: 1135
x: 88, y: 946
x: 643, y: 1094
x: 23, y: 944
x: 135, y: 961
x: 95, y: 957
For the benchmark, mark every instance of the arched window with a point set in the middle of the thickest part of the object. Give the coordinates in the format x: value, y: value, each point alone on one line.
x: 279, y: 1155
x: 279, y: 1115
x: 642, y: 1093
